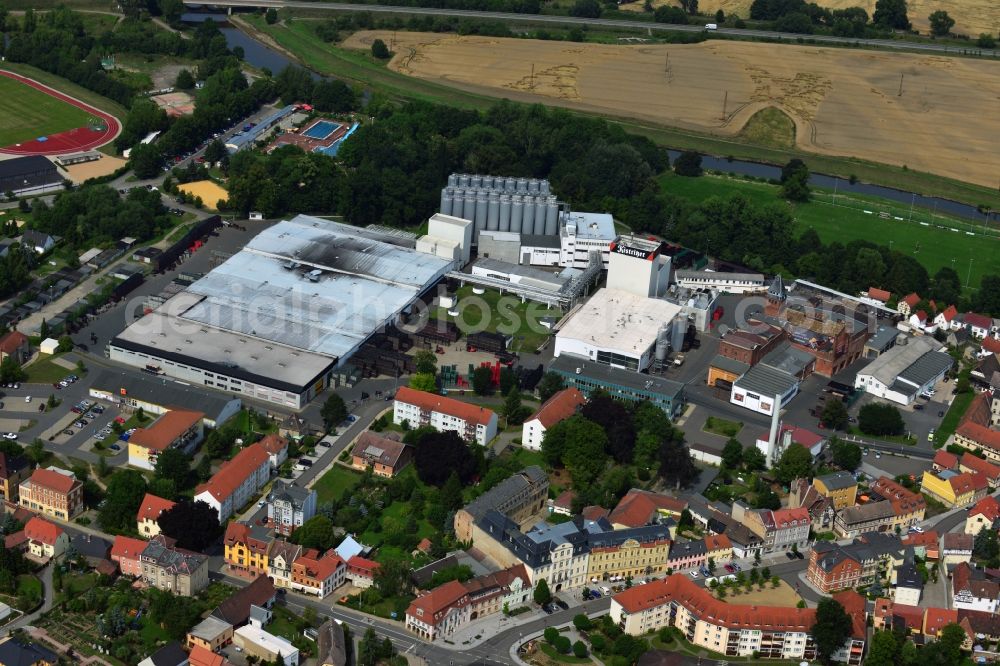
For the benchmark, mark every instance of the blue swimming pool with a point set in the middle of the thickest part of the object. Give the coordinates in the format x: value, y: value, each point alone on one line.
x: 321, y: 130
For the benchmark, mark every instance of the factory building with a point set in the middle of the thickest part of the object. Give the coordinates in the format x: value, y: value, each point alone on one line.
x: 620, y: 329
x: 275, y: 320
x: 447, y: 237
x: 638, y: 266
x: 910, y: 368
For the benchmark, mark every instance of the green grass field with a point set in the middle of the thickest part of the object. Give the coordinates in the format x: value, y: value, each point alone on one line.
x: 26, y: 113
x: 932, y: 246
x: 332, y: 485
x: 513, y: 317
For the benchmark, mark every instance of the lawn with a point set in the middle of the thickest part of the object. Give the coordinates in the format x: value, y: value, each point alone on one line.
x: 26, y: 113
x: 722, y: 427
x: 28, y: 585
x: 555, y: 656
x: 46, y: 371
x: 951, y: 419
x: 501, y: 313
x: 770, y: 127
x: 332, y: 485
x: 935, y: 245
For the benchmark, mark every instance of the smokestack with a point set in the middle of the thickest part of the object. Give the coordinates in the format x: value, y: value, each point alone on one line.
x: 772, y: 438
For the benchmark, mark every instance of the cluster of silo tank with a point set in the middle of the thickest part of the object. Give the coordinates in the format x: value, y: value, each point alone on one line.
x: 518, y: 205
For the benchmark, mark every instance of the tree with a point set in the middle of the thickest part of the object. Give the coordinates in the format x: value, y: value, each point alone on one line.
x: 986, y: 548
x: 677, y: 468
x: 438, y: 454
x: 11, y: 371
x: 204, y: 469
x: 586, y: 9
x: 512, y: 409
x: 334, y: 411
x: 124, y: 494
x: 670, y: 14
x: 482, y: 381
x: 508, y: 380
x: 616, y: 421
x: 884, y: 650
x: 891, y: 14
x: 380, y: 50
x: 688, y: 163
x: 65, y: 344
x: 423, y: 381
x: 550, y: 384
x: 145, y: 160
x: 795, y: 463
x: 834, y: 415
x: 185, y: 80
x: 271, y: 16
x: 831, y: 629
x: 986, y: 41
x: 579, y: 649
x: 941, y: 23
x: 451, y: 492
x: 754, y: 459
x: 215, y: 151
x: 195, y: 525
x: 175, y: 465
x: 582, y: 622
x: 880, y: 419
x: 720, y: 16
x: 732, y: 453
x: 317, y: 532
x: 577, y: 444
x: 845, y: 455
x: 542, y: 595
x: 425, y: 362
x: 795, y: 177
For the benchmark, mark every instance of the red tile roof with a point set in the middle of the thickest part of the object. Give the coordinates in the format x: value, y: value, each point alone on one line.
x: 926, y: 539
x: 559, y: 407
x: 437, y: 601
x: 957, y: 541
x: 273, y: 444
x: 680, y: 589
x: 715, y: 542
x: 595, y: 512
x: 936, y: 619
x: 911, y: 299
x: 233, y: 473
x: 991, y: 345
x: 921, y: 315
x: 977, y: 464
x: 437, y: 403
x: 128, y: 548
x: 945, y: 460
x: 912, y: 616
x: 39, y: 529
x: 879, y: 294
x: 12, y: 342
x: 240, y: 533
x: 15, y: 540
x: 967, y: 483
x: 204, y: 657
x: 166, y: 429
x: 360, y: 565
x: 855, y: 606
x: 801, y: 436
x: 319, y: 568
x: 989, y: 507
x: 950, y: 313
x: 975, y: 424
x: 152, y: 506
x: 56, y: 481
x: 977, y: 320
x: 638, y: 506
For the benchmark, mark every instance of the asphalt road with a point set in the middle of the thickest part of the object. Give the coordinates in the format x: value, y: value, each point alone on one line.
x: 602, y: 23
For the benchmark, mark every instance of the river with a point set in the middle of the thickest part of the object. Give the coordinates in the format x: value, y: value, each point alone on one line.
x: 260, y: 56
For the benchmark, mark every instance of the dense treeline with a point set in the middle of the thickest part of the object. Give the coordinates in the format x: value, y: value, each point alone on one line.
x: 286, y: 181
x: 15, y: 269
x: 800, y: 16
x: 515, y: 6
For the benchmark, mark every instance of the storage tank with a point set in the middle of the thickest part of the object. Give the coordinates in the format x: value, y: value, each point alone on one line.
x: 499, y: 182
x: 446, y: 201
x: 476, y: 182
x: 453, y: 180
x: 539, y: 226
x: 481, y: 205
x: 543, y: 187
x: 522, y: 185
x: 677, y: 333
x: 489, y: 183
x: 551, y: 217
x: 493, y: 215
x: 463, y: 180
x: 516, y: 213
x: 662, y: 343
x: 504, y: 212
x: 528, y: 219
x: 533, y: 186
x: 468, y: 206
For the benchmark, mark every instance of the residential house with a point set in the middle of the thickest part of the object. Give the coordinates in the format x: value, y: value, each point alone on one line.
x: 236, y: 609
x: 39, y: 241
x: 125, y: 552
x: 203, y: 657
x: 975, y: 430
x: 880, y: 295
x: 973, y: 464
x: 519, y: 497
x: 170, y: 654
x: 853, y: 651
x: 841, y: 487
x: 471, y: 422
x: 15, y: 345
x: 943, y: 460
x: 780, y: 529
x: 983, y: 515
x: 175, y: 570
x: 53, y: 492
x: 936, y: 619
x: 563, y: 504
x: 289, y: 506
x: 803, y: 494
x: 833, y: 566
x: 926, y: 545
x: 266, y: 647
x: 94, y: 550
x: 13, y: 470
x: 177, y: 429
x: 45, y: 540
x: 147, y: 519
x: 908, y: 302
x: 361, y: 572
x: 559, y: 407
x: 277, y: 449
x: 642, y: 507
x: 889, y: 615
x: 979, y: 325
x: 908, y: 507
x: 331, y: 646
x: 236, y: 482
x: 980, y: 624
x: 210, y: 634
x: 948, y: 319
x: 317, y: 574
x: 280, y: 556
x: 956, y: 548
x: 857, y: 520
x: 907, y: 583
x: 15, y: 652
x: 385, y: 454
x: 351, y: 547
x: 246, y: 549
x: 954, y: 489
x: 972, y: 590
x: 628, y: 553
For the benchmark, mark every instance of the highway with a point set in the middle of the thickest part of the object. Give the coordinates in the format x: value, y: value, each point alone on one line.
x: 595, y: 23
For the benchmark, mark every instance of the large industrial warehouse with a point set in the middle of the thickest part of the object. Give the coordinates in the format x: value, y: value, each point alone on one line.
x: 275, y: 320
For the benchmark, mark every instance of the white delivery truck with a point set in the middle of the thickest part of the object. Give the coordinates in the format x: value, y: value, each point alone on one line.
x: 711, y: 26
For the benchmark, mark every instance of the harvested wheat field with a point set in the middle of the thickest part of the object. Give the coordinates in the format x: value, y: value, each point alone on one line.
x: 972, y: 17
x: 842, y: 102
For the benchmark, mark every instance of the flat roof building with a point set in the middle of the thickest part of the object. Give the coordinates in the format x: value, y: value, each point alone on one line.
x: 628, y: 385
x: 906, y: 370
x: 33, y: 174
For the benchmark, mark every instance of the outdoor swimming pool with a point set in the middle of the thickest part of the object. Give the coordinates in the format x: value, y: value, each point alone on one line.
x: 321, y: 129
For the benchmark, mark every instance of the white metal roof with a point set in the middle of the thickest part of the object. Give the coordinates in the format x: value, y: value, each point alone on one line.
x: 596, y: 226
x: 619, y: 320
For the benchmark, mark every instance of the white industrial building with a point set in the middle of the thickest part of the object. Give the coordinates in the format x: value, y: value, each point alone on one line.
x: 905, y: 371
x: 583, y: 233
x: 617, y: 328
x: 276, y: 319
x: 527, y: 276
x: 447, y: 237
x: 726, y: 283
x: 760, y: 386
x: 638, y: 266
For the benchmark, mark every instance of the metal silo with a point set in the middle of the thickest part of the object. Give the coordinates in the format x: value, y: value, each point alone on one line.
x: 453, y: 180
x: 539, y: 227
x: 468, y: 207
x: 543, y: 187
x: 677, y: 333
x: 463, y: 180
x: 476, y: 182
x: 504, y: 212
x: 446, y: 201
x: 516, y: 213
x: 489, y: 183
x: 528, y: 219
x: 533, y: 186
x: 522, y: 185
x: 493, y: 214
x: 662, y: 343
x: 482, y: 203
x: 551, y: 217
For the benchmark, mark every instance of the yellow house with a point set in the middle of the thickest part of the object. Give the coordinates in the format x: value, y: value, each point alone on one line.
x: 178, y: 428
x: 633, y: 552
x: 246, y: 552
x: 840, y: 487
x: 719, y: 548
x: 954, y: 489
x: 45, y: 539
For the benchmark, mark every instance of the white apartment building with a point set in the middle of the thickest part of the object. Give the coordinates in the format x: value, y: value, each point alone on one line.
x: 471, y: 422
x: 726, y: 283
x: 236, y: 482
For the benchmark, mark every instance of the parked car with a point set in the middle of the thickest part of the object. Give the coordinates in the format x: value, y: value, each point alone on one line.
x: 789, y: 554
x: 115, y: 447
x: 694, y: 574
x: 562, y: 604
x: 10, y: 435
x: 729, y: 568
x: 67, y: 431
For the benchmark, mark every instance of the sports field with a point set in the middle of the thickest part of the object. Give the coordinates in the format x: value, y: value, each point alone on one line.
x: 933, y: 247
x: 211, y: 193
x: 27, y: 113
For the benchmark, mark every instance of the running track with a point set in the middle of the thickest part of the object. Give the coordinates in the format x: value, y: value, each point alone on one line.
x: 71, y: 141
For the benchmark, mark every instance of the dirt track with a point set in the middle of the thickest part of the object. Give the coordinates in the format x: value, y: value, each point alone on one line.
x: 842, y: 102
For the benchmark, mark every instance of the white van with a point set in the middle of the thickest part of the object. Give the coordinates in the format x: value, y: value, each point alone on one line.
x: 711, y: 26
